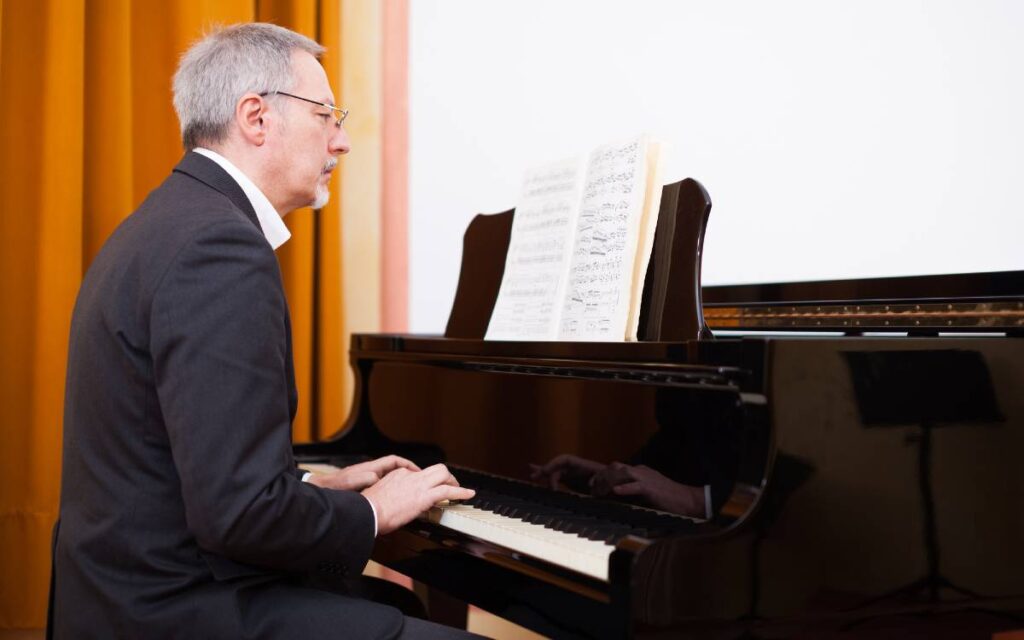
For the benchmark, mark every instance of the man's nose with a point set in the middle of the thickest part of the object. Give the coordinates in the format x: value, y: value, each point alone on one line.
x: 338, y: 144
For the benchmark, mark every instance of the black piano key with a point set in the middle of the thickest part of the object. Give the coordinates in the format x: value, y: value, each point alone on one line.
x: 575, y: 525
x: 592, y: 533
x: 542, y: 519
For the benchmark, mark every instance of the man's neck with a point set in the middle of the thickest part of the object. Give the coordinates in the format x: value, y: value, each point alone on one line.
x: 269, y: 219
x: 251, y: 165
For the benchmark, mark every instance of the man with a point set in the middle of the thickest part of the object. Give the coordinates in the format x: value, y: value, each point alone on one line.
x: 182, y: 511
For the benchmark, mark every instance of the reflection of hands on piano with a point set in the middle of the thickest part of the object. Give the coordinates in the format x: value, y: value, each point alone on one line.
x: 403, y: 494
x: 655, y: 489
x: 359, y: 476
x: 571, y: 471
x: 622, y: 480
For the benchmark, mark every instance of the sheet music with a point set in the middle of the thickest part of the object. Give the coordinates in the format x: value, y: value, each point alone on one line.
x: 597, y: 301
x: 539, y: 252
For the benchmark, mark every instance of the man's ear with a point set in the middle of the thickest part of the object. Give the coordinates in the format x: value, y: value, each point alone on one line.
x: 250, y: 116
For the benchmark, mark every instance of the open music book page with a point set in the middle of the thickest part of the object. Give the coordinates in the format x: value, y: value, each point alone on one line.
x: 614, y: 237
x: 543, y: 231
x: 581, y: 239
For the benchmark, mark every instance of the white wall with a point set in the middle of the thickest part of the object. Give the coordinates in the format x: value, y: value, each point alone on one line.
x: 837, y: 139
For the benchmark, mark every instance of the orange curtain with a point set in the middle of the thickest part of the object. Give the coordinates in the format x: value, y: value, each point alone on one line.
x: 41, y: 116
x: 88, y: 130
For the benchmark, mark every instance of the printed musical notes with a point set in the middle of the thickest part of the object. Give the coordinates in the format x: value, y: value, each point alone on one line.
x: 605, y: 244
x: 535, y: 268
x: 571, y: 263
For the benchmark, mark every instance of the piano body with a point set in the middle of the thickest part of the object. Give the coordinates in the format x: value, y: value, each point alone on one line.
x: 793, y: 460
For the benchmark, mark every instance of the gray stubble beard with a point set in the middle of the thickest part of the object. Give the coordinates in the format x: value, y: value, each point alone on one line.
x: 323, y: 195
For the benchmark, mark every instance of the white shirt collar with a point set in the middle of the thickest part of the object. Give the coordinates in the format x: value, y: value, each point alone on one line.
x: 274, y: 228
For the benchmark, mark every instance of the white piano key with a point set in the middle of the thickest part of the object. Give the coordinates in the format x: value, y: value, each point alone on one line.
x: 589, y: 557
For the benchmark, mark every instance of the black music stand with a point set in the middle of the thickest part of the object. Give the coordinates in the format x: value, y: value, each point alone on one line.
x: 930, y: 389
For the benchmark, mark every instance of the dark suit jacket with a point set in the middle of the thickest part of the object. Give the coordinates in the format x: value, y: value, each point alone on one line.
x: 182, y: 513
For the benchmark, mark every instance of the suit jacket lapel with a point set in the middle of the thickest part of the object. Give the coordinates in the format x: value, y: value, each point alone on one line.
x: 212, y: 175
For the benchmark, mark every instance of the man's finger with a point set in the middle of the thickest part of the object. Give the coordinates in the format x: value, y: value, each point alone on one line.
x: 617, y: 473
x: 618, y: 470
x: 399, y: 472
x: 383, y: 465
x: 448, y: 492
x: 451, y: 480
x: 629, y: 489
x: 366, y: 478
x: 395, y: 462
x: 353, y: 480
x: 437, y: 474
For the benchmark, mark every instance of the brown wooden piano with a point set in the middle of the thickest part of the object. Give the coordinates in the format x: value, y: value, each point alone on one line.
x: 809, y: 459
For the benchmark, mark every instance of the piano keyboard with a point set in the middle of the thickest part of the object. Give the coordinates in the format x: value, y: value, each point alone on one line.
x: 589, y: 557
x: 571, y: 531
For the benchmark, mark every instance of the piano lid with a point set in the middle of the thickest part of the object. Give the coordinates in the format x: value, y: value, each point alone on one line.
x: 967, y: 302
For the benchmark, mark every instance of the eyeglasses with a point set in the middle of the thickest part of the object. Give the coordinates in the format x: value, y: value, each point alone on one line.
x: 338, y: 113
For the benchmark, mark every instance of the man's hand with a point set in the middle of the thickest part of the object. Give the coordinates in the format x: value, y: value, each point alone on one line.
x: 404, y: 494
x: 360, y: 476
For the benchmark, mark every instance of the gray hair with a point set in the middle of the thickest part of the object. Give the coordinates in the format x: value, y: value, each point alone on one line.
x: 225, y: 65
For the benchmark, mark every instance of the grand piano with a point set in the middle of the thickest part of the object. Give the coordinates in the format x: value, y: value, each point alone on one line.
x: 817, y: 459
